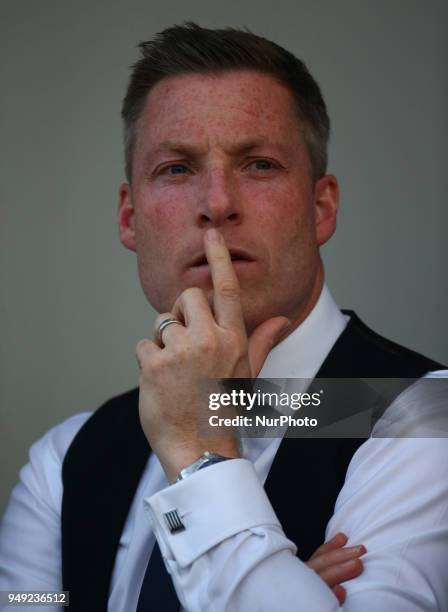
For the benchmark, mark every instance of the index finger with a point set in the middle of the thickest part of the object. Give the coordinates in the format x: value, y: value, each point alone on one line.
x: 226, y: 288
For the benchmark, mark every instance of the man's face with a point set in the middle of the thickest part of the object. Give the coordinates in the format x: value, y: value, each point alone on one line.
x: 226, y: 151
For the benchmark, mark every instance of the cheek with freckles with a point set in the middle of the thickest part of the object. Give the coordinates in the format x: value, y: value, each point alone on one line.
x: 160, y: 229
x: 279, y: 211
x: 162, y: 211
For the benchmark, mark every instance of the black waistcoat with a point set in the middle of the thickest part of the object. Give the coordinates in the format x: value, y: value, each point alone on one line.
x: 105, y: 461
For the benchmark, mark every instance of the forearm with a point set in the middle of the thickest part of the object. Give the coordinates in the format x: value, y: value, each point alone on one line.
x: 233, y: 554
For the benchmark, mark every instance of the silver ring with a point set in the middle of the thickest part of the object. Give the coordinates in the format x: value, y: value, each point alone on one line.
x: 164, y: 324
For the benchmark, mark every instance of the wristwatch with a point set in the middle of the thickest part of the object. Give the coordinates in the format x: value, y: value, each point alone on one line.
x: 204, y: 460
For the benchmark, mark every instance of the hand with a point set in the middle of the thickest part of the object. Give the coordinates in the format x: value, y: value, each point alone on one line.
x: 206, y: 346
x: 336, y: 564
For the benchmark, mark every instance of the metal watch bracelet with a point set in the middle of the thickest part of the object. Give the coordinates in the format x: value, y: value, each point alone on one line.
x: 208, y: 458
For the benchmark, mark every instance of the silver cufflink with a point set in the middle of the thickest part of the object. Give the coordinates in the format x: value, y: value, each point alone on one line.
x: 174, y: 521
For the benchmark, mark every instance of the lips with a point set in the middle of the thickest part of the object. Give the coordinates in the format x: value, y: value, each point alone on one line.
x: 235, y: 254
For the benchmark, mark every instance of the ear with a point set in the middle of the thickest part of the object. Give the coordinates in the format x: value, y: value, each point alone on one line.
x: 326, y: 204
x: 126, y: 217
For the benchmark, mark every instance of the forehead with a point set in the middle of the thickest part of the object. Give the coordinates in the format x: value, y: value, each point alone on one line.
x: 218, y: 106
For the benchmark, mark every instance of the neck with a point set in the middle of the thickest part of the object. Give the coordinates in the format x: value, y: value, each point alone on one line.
x: 308, y: 306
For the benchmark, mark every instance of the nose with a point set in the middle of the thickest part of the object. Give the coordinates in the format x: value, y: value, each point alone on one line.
x: 219, y: 200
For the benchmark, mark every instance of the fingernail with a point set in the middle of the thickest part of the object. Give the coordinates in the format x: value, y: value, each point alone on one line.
x: 360, y: 550
x: 213, y: 236
x: 339, y: 536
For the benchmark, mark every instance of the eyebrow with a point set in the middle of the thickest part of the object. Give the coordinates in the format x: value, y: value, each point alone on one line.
x: 242, y: 147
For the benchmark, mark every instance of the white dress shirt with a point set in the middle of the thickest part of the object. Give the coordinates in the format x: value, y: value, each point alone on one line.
x: 233, y: 554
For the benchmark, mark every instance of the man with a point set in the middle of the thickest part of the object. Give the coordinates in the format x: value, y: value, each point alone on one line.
x: 226, y: 204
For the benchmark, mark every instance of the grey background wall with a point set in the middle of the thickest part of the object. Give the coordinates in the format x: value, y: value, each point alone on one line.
x: 72, y: 308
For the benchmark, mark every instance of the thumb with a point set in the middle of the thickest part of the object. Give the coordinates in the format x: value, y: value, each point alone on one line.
x: 262, y: 339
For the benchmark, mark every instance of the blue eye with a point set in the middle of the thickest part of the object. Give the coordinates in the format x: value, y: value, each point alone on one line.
x: 262, y: 164
x: 177, y: 169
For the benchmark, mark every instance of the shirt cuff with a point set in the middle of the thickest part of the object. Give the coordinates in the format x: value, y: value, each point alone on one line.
x: 213, y: 504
